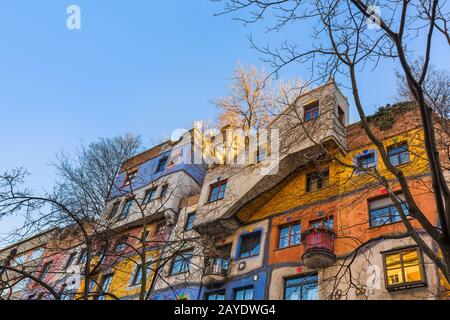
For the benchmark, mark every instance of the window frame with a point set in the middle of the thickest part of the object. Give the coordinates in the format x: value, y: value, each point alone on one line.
x: 311, y: 110
x: 189, y: 223
x: 290, y: 234
x: 114, y: 209
x: 138, y: 271
x: 397, y: 154
x: 391, y: 207
x: 215, y: 293
x: 323, y: 222
x: 163, y: 191
x: 71, y: 260
x: 45, y: 270
x: 174, y: 261
x: 130, y: 176
x: 324, y: 177
x: 404, y: 285
x: 101, y: 292
x: 305, y: 275
x: 219, y: 185
x: 160, y: 167
x: 126, y: 202
x: 361, y: 169
x: 241, y: 244
x: 245, y: 288
x: 151, y: 191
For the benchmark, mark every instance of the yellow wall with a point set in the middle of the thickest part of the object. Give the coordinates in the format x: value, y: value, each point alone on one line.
x: 342, y: 179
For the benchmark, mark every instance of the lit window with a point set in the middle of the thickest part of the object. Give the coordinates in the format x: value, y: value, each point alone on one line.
x: 316, y: 181
x: 190, y: 221
x: 126, y: 209
x: 301, y: 288
x: 398, y: 154
x: 161, y: 164
x: 365, y: 161
x: 382, y: 211
x: 150, y: 195
x: 217, y: 191
x: 243, y: 293
x: 181, y: 262
x: 403, y: 269
x: 289, y: 236
x: 217, y: 295
x: 250, y: 244
x: 311, y: 112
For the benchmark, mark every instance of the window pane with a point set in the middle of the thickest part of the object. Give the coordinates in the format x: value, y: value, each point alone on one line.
x: 309, y: 292
x: 394, y: 277
x: 295, y: 229
x: 412, y: 274
x: 248, y: 294
x: 284, y: 232
x: 393, y: 261
x: 284, y: 242
x: 410, y: 258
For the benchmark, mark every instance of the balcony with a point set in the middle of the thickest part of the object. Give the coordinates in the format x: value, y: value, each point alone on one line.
x: 215, y: 275
x: 319, y: 248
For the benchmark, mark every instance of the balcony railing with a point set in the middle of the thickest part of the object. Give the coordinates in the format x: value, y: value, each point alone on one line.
x: 215, y: 275
x: 319, y: 248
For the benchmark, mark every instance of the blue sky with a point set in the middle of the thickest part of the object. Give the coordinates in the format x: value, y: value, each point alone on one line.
x: 145, y: 67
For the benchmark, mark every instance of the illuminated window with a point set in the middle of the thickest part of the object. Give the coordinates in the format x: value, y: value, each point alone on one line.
x: 217, y: 191
x: 398, y: 154
x: 316, y: 181
x: 403, y: 269
x: 289, y: 236
x: 311, y: 112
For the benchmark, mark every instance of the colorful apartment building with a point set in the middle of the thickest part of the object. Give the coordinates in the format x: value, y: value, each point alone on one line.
x: 316, y: 225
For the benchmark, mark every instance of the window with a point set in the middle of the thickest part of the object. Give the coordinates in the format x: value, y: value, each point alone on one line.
x: 163, y: 192
x: 398, y: 154
x: 403, y: 269
x: 322, y: 223
x: 161, y: 164
x: 36, y: 254
x: 189, y: 221
x: 261, y: 153
x: 150, y: 195
x: 131, y: 176
x: 104, y: 286
x: 243, y: 293
x: 181, y: 262
x: 365, y: 161
x: 382, y: 211
x: 126, y: 209
x: 137, y: 277
x: 121, y: 244
x: 217, y: 295
x: 83, y: 257
x: 311, y: 112
x: 341, y: 116
x: 217, y: 191
x: 223, y: 257
x: 250, y: 245
x: 289, y: 236
x: 45, y: 270
x: 159, y: 228
x: 114, y: 209
x: 301, y: 288
x: 316, y: 181
x: 71, y: 259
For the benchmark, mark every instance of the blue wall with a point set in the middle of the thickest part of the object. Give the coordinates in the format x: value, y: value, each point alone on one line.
x: 191, y: 292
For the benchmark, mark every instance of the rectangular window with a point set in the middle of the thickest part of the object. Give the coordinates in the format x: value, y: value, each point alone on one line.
x: 126, y: 209
x: 365, y: 161
x: 163, y: 192
x: 301, y: 288
x: 341, y: 116
x: 316, y: 181
x: 161, y: 164
x: 189, y: 221
x: 250, y: 244
x: 130, y: 177
x: 83, y: 257
x: 327, y: 222
x: 71, y: 259
x: 222, y: 258
x: 104, y: 286
x: 217, y: 295
x: 382, y: 211
x: 45, y: 270
x: 311, y: 112
x: 217, y: 191
x: 181, y: 262
x: 403, y: 269
x: 121, y: 244
x: 289, y: 235
x: 243, y: 293
x: 150, y: 195
x: 398, y: 154
x: 137, y: 277
x: 114, y: 209
x: 159, y: 228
